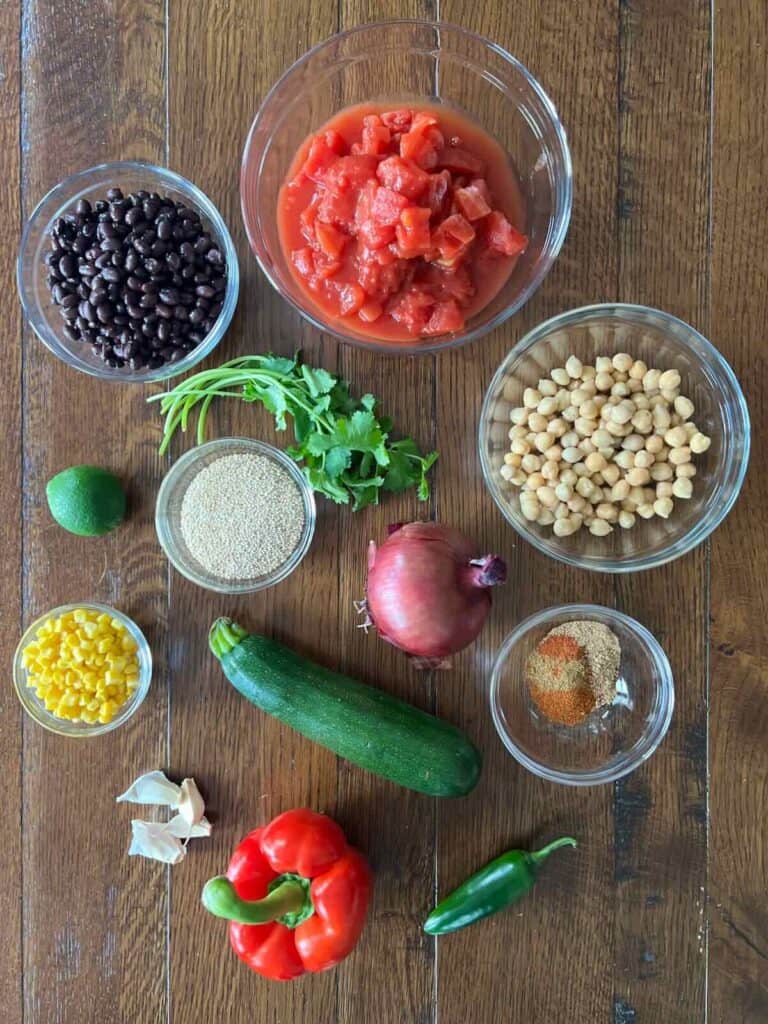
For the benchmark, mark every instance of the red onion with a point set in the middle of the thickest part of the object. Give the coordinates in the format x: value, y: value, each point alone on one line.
x: 427, y: 593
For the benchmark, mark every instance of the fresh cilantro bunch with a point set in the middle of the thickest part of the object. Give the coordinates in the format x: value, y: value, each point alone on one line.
x: 341, y: 443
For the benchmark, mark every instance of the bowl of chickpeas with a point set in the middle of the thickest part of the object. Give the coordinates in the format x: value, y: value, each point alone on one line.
x: 614, y: 438
x: 82, y: 670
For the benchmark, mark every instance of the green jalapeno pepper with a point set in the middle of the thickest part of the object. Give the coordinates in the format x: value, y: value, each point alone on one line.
x: 490, y: 889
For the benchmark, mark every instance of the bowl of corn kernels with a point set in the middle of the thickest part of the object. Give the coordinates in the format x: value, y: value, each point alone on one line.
x: 82, y: 669
x: 614, y: 438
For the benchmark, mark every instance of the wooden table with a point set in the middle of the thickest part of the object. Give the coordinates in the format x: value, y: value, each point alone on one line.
x: 661, y: 916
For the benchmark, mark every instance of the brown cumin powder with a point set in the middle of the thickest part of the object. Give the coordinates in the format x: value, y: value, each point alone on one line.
x: 573, y: 670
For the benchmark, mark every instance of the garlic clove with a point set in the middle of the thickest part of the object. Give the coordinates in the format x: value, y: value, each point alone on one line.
x: 181, y: 828
x: 152, y: 788
x: 191, y: 805
x: 153, y: 840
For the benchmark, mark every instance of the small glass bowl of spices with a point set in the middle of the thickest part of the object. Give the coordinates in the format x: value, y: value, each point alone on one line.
x: 235, y: 515
x: 82, y: 669
x: 581, y: 694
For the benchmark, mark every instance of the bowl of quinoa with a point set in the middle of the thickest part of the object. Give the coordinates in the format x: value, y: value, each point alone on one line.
x: 235, y: 515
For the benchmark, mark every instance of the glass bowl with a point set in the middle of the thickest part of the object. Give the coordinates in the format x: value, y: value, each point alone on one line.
x: 402, y: 62
x: 663, y: 342
x: 612, y: 741
x: 171, y: 496
x: 63, y: 726
x: 31, y: 272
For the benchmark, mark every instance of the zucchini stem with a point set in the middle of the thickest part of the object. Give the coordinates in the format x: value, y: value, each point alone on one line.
x: 224, y: 636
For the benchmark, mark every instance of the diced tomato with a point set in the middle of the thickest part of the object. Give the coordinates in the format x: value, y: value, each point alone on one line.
x: 482, y: 187
x: 330, y: 240
x: 349, y: 172
x: 453, y: 283
x: 471, y: 202
x: 304, y: 261
x: 325, y: 267
x: 403, y: 176
x: 422, y: 143
x: 307, y: 219
x: 397, y: 120
x: 335, y: 141
x: 370, y: 312
x: 370, y: 232
x: 376, y: 137
x: 380, y: 282
x: 338, y: 209
x: 320, y: 157
x: 460, y: 160
x: 501, y: 237
x: 413, y: 237
x: 412, y: 309
x: 438, y: 190
x: 458, y: 227
x: 446, y: 317
x: 351, y: 299
x: 387, y: 206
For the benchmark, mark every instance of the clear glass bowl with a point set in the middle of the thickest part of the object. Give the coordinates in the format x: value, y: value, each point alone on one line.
x: 413, y: 62
x: 171, y: 496
x: 664, y: 342
x: 63, y: 726
x: 612, y: 741
x: 31, y: 272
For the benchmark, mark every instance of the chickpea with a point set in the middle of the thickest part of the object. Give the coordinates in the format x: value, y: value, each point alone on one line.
x: 518, y: 478
x: 530, y: 507
x: 557, y: 426
x: 604, y: 381
x: 565, y: 527
x: 546, y: 496
x: 700, y: 443
x: 570, y: 440
x: 574, y: 367
x: 545, y: 517
x: 654, y: 444
x: 544, y: 440
x: 537, y: 423
x: 618, y: 429
x: 571, y: 455
x: 600, y: 528
x: 531, y: 463
x: 602, y: 439
x: 580, y: 469
x: 564, y: 492
x: 623, y: 412
x: 507, y: 471
x: 514, y: 460
x: 684, y: 407
x: 576, y: 503
x: 559, y: 376
x: 637, y: 477
x: 519, y: 415
x: 579, y: 397
x: 641, y: 400
x: 562, y: 511
x: 608, y: 511
x: 584, y: 427
x: 661, y: 471
x: 646, y: 511
x: 588, y: 373
x: 690, y: 429
x: 584, y: 486
x: 633, y: 443
x: 554, y: 453
x: 620, y: 389
x: 664, y: 489
x: 685, y: 472
x: 669, y: 395
x: 534, y: 481
x: 595, y: 462
x: 570, y: 414
x: 548, y: 388
x: 603, y: 364
x: 518, y: 432
x: 611, y: 474
x: 531, y: 398
x: 520, y: 447
x: 663, y: 507
x: 661, y: 417
x: 626, y: 520
x: 662, y: 455
x: 588, y: 410
x: 682, y: 488
x: 547, y: 406
x: 669, y: 379
x: 586, y: 447
x: 679, y: 456
x: 642, y: 421
x: 644, y: 459
x: 620, y: 490
x: 550, y: 471
x: 651, y: 380
x: 676, y: 437
x: 625, y: 459
x: 638, y: 370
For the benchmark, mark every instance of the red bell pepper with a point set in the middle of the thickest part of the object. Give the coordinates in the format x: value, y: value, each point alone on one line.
x: 295, y: 894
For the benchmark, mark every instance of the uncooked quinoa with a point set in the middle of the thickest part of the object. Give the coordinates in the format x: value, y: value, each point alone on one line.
x: 242, y: 516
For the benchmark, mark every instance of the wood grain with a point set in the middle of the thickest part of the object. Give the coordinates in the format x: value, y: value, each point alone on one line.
x: 10, y: 536
x: 738, y: 875
x: 660, y: 810
x: 94, y: 922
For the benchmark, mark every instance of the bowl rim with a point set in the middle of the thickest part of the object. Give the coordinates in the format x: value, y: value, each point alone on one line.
x: 651, y: 739
x: 64, y: 727
x: 211, y: 213
x: 561, y: 226
x: 170, y: 482
x: 700, y: 531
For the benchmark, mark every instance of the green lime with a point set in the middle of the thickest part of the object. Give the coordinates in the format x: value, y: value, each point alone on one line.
x: 86, y: 500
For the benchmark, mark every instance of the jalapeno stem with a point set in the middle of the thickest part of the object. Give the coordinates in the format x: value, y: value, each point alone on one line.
x: 556, y: 844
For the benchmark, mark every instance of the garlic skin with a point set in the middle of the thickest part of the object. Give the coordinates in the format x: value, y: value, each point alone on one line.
x: 152, y: 788
x: 191, y: 805
x: 152, y: 839
x: 180, y: 828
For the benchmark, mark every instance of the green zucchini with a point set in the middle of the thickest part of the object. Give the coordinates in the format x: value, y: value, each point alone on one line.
x: 365, y: 725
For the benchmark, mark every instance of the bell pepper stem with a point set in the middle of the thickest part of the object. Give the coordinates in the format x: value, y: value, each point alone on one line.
x: 224, y: 636
x: 541, y: 855
x: 219, y: 898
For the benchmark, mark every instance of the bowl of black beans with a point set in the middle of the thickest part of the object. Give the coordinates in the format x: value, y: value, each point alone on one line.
x: 127, y: 271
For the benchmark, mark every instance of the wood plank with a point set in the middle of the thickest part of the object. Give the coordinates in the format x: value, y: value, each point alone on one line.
x: 94, y: 922
x: 10, y: 540
x: 514, y: 965
x: 660, y: 811
x: 738, y: 875
x: 391, y: 980
x: 224, y: 56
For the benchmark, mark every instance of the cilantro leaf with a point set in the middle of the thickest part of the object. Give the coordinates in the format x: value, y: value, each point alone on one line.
x: 337, y: 460
x: 278, y: 364
x: 319, y: 382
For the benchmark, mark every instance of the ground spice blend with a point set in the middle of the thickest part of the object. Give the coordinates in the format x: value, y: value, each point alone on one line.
x: 573, y: 670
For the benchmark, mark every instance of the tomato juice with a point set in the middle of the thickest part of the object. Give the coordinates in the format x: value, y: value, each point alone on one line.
x: 400, y: 223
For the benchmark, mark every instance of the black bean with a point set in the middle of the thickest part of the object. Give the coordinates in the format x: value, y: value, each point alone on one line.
x: 104, y: 260
x: 214, y: 256
x: 197, y: 316
x: 170, y: 296
x: 148, y: 300
x: 114, y: 193
x: 105, y: 313
x: 111, y: 244
x: 68, y: 266
x: 69, y: 301
x: 112, y: 274
x: 101, y: 206
x: 205, y: 291
x: 215, y: 309
x: 164, y: 311
x: 57, y: 292
x: 131, y: 261
x: 88, y: 270
x: 153, y: 266
x: 118, y: 209
x: 163, y: 331
x: 70, y: 313
x: 142, y: 246
x: 134, y: 312
x: 118, y: 259
x: 134, y: 216
x: 81, y: 324
x: 71, y: 333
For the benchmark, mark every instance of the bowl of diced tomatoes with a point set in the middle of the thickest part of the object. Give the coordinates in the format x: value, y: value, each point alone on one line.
x: 406, y: 186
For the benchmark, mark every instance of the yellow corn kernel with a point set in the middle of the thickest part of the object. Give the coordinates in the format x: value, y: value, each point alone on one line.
x: 129, y: 645
x: 80, y: 615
